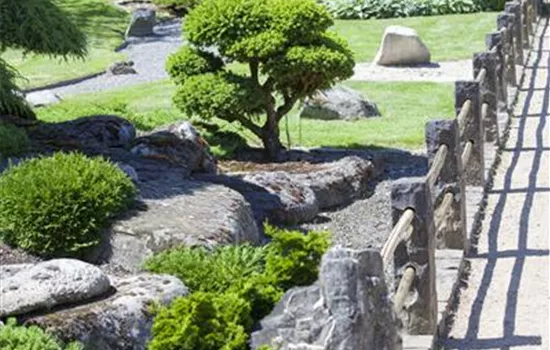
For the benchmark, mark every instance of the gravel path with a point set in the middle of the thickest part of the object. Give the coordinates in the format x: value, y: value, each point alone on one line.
x: 506, y: 302
x: 149, y: 56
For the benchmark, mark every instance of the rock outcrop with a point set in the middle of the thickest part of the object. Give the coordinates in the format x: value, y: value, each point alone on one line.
x: 338, y: 103
x: 122, y: 321
x: 347, y: 309
x: 177, y: 212
x: 401, y: 46
x: 142, y: 23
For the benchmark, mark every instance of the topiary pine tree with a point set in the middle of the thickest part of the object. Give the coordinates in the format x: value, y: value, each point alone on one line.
x: 37, y: 26
x: 286, y: 46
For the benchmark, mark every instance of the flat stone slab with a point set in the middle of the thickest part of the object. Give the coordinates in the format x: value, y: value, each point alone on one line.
x: 174, y: 213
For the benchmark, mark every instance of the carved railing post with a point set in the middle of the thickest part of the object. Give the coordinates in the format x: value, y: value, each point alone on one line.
x: 494, y: 40
x: 474, y: 172
x: 451, y: 233
x: 417, y: 252
x: 509, y: 46
x: 489, y: 93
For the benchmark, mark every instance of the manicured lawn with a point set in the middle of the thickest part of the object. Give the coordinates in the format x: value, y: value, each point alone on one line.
x: 448, y: 37
x: 405, y: 108
x: 104, y: 25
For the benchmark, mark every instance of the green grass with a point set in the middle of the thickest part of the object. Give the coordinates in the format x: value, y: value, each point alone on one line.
x: 448, y: 37
x: 104, y: 25
x: 404, y: 106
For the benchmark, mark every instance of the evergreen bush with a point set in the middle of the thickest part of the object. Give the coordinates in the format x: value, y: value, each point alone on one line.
x: 14, y: 337
x: 57, y: 206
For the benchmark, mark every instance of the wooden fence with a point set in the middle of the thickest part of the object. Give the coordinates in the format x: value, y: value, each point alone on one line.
x: 456, y: 157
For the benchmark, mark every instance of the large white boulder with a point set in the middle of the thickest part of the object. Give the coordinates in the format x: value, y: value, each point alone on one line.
x: 401, y: 46
x: 26, y: 288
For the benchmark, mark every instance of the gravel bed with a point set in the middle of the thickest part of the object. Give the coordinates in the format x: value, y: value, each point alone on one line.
x: 9, y: 255
x: 366, y: 223
x: 434, y: 72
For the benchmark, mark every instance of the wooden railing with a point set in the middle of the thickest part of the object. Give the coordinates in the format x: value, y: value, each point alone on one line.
x: 456, y: 158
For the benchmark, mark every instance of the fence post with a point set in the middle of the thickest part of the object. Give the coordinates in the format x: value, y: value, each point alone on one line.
x: 489, y: 94
x: 474, y: 172
x: 451, y: 233
x: 506, y: 20
x: 515, y: 9
x: 494, y: 40
x: 417, y: 252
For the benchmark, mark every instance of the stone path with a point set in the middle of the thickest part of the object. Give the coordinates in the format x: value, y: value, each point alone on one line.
x: 506, y: 302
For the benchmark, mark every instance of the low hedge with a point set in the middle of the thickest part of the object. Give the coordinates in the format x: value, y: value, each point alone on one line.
x: 232, y: 288
x: 58, y: 205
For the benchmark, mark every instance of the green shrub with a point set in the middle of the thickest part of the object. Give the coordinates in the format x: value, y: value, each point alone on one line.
x: 203, y: 321
x: 14, y: 337
x: 366, y: 9
x: 13, y: 141
x: 293, y: 258
x: 206, y: 271
x: 257, y: 275
x: 57, y: 206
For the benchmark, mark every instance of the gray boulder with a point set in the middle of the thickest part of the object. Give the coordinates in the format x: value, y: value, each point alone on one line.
x: 347, y: 309
x: 298, y: 201
x: 92, y: 132
x: 122, y: 68
x: 173, y: 213
x: 142, y: 23
x: 42, y: 98
x: 338, y: 103
x: 401, y: 46
x: 338, y: 183
x: 26, y: 288
x: 179, y: 143
x: 122, y: 321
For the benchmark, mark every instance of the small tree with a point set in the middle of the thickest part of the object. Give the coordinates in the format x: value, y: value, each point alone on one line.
x: 37, y: 26
x: 288, y: 52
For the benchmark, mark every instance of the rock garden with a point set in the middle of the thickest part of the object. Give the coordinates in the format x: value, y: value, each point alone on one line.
x: 191, y: 169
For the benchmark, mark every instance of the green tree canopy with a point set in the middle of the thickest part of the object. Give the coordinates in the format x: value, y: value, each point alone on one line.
x: 37, y: 26
x: 288, y: 50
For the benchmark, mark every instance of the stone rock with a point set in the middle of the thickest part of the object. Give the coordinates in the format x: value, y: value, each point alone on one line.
x: 179, y: 143
x: 121, y: 321
x: 122, y: 68
x: 347, y: 309
x: 142, y: 23
x: 130, y: 171
x: 26, y: 288
x: 42, y: 98
x: 401, y: 46
x: 340, y: 182
x: 173, y: 213
x: 298, y: 201
x: 338, y: 103
x: 92, y: 132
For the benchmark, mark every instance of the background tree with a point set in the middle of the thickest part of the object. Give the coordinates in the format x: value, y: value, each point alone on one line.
x: 286, y: 47
x: 37, y: 26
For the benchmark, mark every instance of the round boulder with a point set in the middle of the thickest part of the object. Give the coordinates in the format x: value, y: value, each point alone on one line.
x: 338, y: 103
x: 401, y: 46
